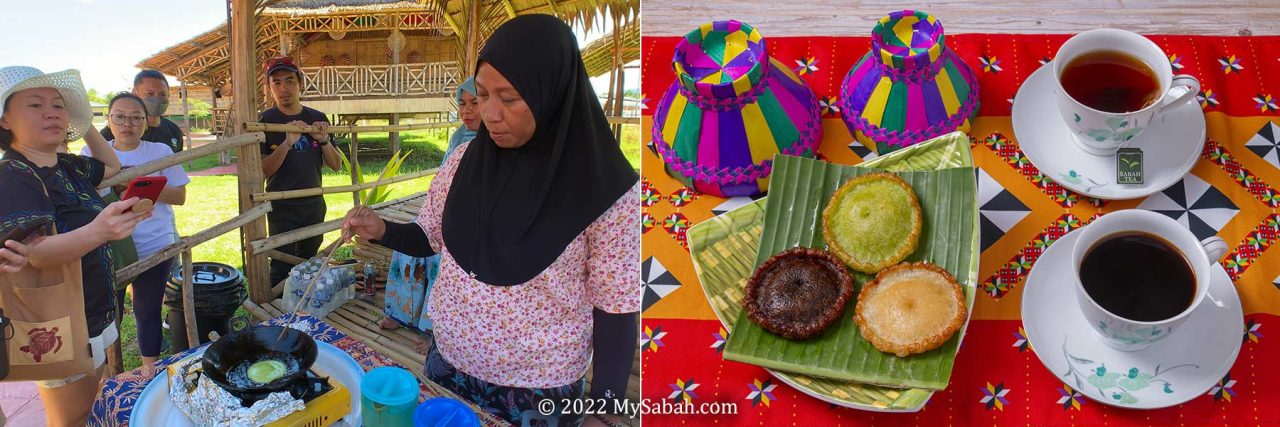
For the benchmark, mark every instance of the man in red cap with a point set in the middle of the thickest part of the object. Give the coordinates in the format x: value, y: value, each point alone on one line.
x: 292, y: 161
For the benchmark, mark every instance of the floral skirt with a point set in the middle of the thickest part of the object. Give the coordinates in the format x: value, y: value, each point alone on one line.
x: 513, y: 404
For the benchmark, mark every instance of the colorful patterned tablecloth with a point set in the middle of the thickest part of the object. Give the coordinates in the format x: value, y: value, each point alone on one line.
x: 1232, y: 192
x: 121, y: 392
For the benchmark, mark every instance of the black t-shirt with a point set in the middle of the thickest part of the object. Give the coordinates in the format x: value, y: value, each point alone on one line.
x: 73, y: 202
x: 167, y: 133
x: 301, y: 167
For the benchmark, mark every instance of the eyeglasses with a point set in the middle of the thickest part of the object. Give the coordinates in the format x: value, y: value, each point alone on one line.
x: 119, y: 119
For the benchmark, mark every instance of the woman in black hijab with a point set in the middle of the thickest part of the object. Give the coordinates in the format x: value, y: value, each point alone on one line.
x: 538, y: 228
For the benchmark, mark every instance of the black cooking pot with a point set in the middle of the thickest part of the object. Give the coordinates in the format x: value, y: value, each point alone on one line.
x: 252, y: 344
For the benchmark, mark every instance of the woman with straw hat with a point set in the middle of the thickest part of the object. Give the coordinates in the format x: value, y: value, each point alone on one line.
x: 38, y: 183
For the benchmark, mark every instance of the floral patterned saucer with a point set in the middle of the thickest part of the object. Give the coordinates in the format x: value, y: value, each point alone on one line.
x: 1170, y: 147
x: 1179, y: 368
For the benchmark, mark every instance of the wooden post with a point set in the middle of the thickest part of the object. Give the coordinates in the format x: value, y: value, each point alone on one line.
x: 244, y: 80
x: 115, y: 356
x: 189, y: 301
x: 394, y: 137
x: 617, y: 64
x: 224, y: 157
x: 186, y: 115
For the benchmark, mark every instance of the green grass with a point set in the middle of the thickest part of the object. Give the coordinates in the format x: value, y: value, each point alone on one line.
x: 213, y: 199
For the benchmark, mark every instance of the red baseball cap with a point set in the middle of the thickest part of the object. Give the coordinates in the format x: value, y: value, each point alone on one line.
x: 281, y: 63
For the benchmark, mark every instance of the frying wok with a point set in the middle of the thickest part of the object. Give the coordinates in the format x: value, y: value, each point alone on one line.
x: 251, y: 344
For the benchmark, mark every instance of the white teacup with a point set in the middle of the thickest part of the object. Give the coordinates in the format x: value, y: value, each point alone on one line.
x: 1131, y: 335
x: 1102, y: 133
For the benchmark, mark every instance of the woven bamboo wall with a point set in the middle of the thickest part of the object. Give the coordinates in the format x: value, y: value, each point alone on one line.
x: 374, y: 51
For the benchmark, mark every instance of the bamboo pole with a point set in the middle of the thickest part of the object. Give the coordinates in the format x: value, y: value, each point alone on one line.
x: 413, y: 363
x: 511, y: 11
x: 618, y: 91
x: 371, y: 254
x: 362, y: 309
x: 186, y: 243
x: 366, y: 247
x: 308, y: 192
x: 354, y: 158
x: 189, y: 300
x: 187, y: 155
x: 281, y: 256
x: 399, y: 216
x: 277, y: 127
x: 272, y: 242
x: 282, y: 127
x: 368, y: 332
x: 256, y: 311
x: 614, y: 120
x: 473, y: 37
x: 274, y: 307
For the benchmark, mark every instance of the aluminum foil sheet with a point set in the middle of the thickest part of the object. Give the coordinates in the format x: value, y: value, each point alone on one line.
x: 207, y: 404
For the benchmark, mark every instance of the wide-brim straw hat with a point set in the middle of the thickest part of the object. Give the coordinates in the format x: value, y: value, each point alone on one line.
x: 67, y: 82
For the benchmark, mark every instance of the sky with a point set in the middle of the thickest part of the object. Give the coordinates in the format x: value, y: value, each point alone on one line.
x: 105, y: 39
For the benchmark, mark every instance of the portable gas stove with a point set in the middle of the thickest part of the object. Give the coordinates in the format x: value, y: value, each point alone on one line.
x: 326, y: 399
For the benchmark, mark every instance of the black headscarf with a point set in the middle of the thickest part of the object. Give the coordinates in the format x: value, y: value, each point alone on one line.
x: 511, y: 212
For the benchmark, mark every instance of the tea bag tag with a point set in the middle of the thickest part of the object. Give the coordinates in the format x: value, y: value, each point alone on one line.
x: 1129, y: 166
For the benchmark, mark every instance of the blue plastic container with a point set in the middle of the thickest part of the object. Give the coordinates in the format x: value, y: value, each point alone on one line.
x: 445, y: 412
x: 388, y: 396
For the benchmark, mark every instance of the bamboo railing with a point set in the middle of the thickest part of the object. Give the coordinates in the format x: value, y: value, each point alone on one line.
x: 308, y: 192
x: 182, y: 157
x: 278, y: 240
x: 276, y: 127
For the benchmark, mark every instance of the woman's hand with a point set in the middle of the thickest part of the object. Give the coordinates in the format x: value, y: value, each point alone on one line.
x: 362, y: 221
x: 117, y: 220
x: 101, y: 150
x: 13, y: 256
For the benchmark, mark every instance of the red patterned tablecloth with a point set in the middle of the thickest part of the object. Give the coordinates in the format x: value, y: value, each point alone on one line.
x: 1233, y: 192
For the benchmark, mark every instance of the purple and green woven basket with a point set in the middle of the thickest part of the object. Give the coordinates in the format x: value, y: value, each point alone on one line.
x: 910, y: 87
x: 730, y: 110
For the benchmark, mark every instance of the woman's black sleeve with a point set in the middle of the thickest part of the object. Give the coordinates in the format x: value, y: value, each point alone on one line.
x: 408, y: 239
x: 614, y: 344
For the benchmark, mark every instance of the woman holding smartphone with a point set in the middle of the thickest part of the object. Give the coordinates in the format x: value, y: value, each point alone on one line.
x: 37, y: 183
x: 127, y: 118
